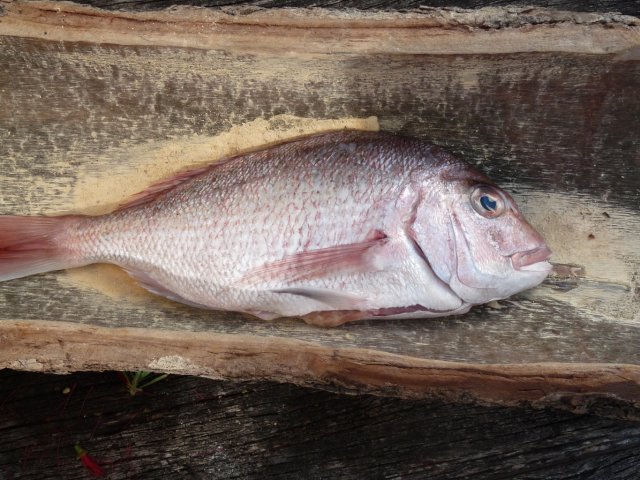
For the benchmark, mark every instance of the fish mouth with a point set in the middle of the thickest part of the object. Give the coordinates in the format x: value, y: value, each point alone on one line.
x: 534, y: 260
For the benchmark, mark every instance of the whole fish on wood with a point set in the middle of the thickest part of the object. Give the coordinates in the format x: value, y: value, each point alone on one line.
x: 332, y: 228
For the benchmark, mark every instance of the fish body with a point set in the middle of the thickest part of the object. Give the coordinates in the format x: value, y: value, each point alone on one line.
x: 333, y: 228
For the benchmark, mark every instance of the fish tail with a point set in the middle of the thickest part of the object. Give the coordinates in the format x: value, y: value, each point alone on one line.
x: 30, y: 245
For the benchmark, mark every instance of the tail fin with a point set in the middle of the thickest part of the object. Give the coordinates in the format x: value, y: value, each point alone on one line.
x: 30, y: 245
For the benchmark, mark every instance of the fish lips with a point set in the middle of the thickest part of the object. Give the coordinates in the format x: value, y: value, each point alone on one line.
x: 534, y: 260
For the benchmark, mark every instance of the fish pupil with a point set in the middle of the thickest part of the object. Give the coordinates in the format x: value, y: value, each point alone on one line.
x: 488, y: 203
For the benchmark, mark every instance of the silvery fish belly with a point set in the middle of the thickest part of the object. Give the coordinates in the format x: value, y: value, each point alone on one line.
x: 332, y: 228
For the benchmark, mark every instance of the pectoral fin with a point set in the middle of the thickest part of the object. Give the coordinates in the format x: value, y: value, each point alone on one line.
x: 316, y: 263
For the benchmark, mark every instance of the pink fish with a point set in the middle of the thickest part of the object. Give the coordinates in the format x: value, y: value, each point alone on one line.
x: 331, y: 228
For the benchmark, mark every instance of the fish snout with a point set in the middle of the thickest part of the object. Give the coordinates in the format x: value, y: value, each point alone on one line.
x: 533, y: 260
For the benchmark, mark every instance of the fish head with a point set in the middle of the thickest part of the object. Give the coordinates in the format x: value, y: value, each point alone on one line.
x: 475, y: 237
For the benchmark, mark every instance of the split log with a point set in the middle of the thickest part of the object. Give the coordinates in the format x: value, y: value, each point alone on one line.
x: 96, y: 104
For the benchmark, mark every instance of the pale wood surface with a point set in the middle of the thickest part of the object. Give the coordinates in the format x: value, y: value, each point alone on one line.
x: 555, y: 123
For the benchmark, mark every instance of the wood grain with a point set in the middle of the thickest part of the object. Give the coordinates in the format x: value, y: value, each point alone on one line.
x: 194, y: 428
x: 326, y: 31
x: 627, y: 7
x: 556, y: 123
x: 61, y: 347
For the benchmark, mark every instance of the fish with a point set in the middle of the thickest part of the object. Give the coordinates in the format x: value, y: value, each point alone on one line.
x: 333, y: 228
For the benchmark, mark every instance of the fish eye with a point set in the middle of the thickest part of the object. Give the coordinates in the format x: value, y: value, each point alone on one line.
x: 487, y: 201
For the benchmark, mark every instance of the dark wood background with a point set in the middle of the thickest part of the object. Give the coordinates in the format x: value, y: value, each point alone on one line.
x: 194, y: 428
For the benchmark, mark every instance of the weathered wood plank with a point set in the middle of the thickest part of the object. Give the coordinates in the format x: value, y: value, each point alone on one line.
x: 627, y: 7
x: 196, y: 428
x: 325, y: 31
x: 85, y: 122
x: 52, y: 346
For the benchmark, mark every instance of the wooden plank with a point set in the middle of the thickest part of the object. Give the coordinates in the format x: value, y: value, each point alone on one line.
x: 314, y: 31
x: 551, y: 114
x: 61, y: 347
x: 194, y: 428
x: 627, y: 7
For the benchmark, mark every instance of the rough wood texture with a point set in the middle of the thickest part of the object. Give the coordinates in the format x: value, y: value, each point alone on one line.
x: 548, y: 107
x: 65, y: 347
x: 319, y: 31
x: 628, y: 7
x: 190, y: 428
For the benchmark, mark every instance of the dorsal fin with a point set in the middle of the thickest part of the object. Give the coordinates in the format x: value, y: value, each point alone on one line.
x: 155, y: 190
